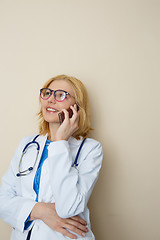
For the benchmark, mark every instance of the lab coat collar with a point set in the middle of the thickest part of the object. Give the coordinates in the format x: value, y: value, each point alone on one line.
x: 74, y: 141
x: 71, y: 140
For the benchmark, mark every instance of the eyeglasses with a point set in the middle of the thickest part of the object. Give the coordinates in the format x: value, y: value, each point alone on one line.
x: 59, y: 95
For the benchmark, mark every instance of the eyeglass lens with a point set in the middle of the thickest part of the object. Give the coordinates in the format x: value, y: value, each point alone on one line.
x: 59, y: 95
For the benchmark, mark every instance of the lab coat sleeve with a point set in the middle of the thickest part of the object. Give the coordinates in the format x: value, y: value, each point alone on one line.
x: 14, y: 208
x: 72, y: 187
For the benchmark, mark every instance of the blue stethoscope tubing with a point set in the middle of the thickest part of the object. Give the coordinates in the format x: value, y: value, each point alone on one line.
x: 29, y: 170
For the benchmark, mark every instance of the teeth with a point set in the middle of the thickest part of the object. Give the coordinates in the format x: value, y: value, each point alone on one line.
x: 51, y: 109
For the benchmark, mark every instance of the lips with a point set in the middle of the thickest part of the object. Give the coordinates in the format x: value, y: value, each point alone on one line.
x: 50, y: 109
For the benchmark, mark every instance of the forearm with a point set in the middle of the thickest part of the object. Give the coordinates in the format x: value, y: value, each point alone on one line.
x: 14, y: 210
x: 70, y: 183
x: 47, y: 213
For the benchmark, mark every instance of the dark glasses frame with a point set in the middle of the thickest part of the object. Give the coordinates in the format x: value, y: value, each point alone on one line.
x: 54, y: 94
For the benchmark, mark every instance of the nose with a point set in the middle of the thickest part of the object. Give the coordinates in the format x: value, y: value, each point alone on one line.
x: 52, y: 99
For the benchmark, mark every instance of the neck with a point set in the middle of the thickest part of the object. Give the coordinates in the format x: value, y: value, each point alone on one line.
x: 53, y: 127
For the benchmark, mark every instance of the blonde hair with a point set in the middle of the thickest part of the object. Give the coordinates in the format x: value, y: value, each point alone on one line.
x: 81, y: 98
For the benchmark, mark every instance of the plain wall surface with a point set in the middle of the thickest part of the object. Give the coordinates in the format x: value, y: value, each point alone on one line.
x: 113, y: 48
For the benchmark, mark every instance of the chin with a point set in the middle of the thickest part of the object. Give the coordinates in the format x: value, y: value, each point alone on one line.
x: 51, y: 120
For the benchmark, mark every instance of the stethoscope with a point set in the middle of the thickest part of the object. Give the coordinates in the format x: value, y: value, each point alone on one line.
x: 30, y: 169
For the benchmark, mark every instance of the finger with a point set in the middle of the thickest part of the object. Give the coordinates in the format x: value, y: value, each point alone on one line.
x: 79, y: 219
x: 66, y: 114
x: 77, y: 228
x: 75, y: 113
x: 66, y: 233
x: 74, y: 108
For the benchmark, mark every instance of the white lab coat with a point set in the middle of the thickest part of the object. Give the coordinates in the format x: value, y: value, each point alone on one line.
x: 67, y: 186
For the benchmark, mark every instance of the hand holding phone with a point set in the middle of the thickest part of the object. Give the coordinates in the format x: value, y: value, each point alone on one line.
x: 62, y: 115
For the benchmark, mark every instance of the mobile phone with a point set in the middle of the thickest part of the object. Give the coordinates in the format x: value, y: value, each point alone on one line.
x: 62, y: 116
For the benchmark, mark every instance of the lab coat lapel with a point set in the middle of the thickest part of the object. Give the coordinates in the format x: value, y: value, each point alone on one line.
x: 41, y: 140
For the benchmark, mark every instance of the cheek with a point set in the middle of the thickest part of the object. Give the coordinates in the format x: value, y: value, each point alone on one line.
x: 43, y: 107
x: 67, y: 104
x: 43, y: 104
x: 62, y: 105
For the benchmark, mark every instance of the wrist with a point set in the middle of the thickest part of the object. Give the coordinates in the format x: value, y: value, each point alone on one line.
x: 61, y: 139
x: 37, y: 211
x: 58, y: 138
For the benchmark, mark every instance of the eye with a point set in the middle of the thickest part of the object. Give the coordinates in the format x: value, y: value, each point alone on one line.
x: 47, y: 93
x: 60, y: 95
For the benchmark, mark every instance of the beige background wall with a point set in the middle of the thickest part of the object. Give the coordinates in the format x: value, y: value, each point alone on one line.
x: 113, y: 47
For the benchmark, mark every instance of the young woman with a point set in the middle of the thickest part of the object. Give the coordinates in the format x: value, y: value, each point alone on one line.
x: 45, y: 191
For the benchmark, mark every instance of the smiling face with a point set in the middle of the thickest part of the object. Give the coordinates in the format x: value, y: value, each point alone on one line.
x: 50, y: 107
